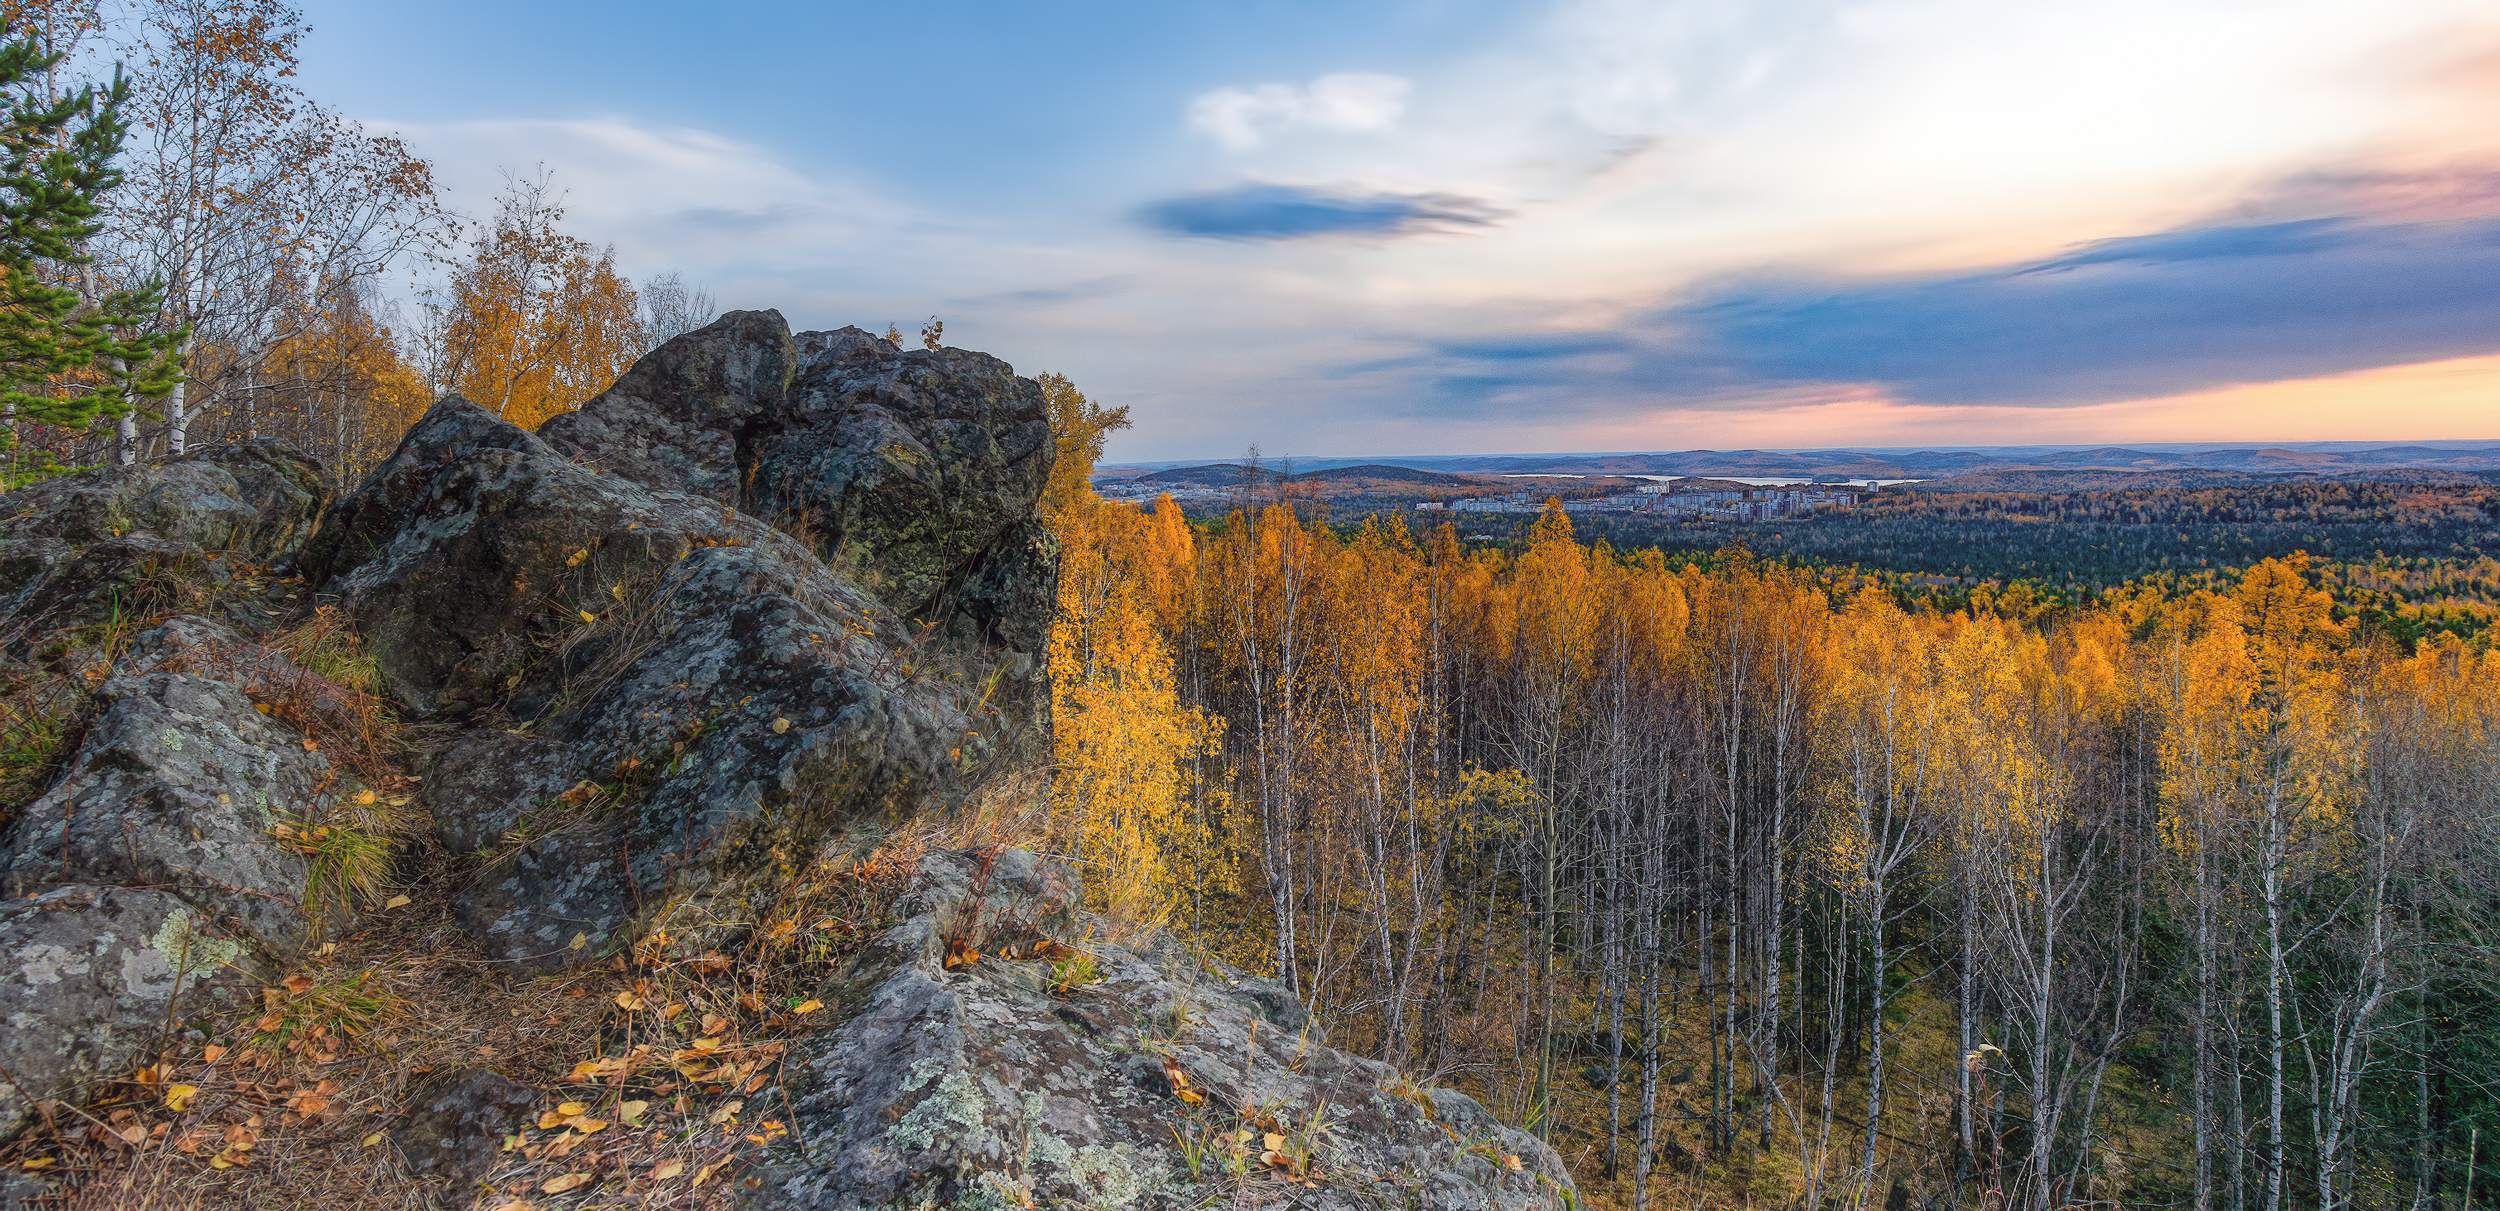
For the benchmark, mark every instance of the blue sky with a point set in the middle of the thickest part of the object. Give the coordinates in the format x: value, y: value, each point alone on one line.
x: 1587, y: 224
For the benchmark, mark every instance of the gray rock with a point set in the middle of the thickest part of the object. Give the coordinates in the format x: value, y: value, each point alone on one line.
x: 982, y: 1087
x: 915, y: 472
x: 457, y: 1122
x: 703, y: 698
x: 176, y: 787
x: 476, y: 549
x: 75, y: 549
x: 745, y: 722
x: 677, y: 420
x: 95, y: 979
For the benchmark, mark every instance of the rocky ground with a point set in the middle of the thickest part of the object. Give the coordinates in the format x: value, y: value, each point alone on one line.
x: 608, y: 816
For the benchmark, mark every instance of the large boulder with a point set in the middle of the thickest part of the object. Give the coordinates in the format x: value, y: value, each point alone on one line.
x: 82, y: 548
x: 915, y: 472
x: 151, y: 882
x: 674, y: 687
x: 94, y: 979
x: 1002, y: 1083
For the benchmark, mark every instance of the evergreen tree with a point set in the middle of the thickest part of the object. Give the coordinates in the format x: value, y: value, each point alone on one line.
x: 65, y: 358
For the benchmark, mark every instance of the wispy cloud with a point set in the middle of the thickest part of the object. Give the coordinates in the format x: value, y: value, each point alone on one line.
x: 1243, y: 118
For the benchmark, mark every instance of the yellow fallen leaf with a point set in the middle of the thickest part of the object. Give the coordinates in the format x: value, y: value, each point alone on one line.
x: 569, y: 1109
x: 365, y: 796
x: 807, y: 1006
x: 707, y: 1044
x: 177, y: 1095
x: 587, y: 1126
x: 780, y: 726
x: 396, y: 902
x: 1275, y: 1142
x: 35, y: 1162
x: 667, y: 1169
x: 212, y: 1053
x: 371, y: 1140
x: 579, y: 940
x: 704, y: 1174
x: 587, y: 616
x: 1510, y: 1160
x: 575, y: 559
x: 627, y: 1000
x: 630, y: 1111
x: 550, y: 1119
x: 570, y: 1181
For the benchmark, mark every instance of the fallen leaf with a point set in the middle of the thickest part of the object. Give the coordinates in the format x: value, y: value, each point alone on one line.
x: 1510, y: 1160
x: 35, y: 1162
x: 704, y: 1174
x: 714, y: 1023
x: 212, y: 1053
x: 575, y: 559
x: 365, y: 796
x: 585, y: 1125
x: 960, y: 954
x: 807, y: 1006
x: 667, y: 1169
x: 311, y: 747
x: 132, y: 1134
x: 371, y: 1140
x: 299, y: 983
x: 707, y: 1044
x: 629, y: 1111
x: 780, y: 726
x: 627, y: 1000
x: 176, y: 1096
x: 587, y: 616
x: 396, y: 902
x: 551, y: 1119
x: 570, y: 1181
x: 579, y: 940
x: 569, y: 1109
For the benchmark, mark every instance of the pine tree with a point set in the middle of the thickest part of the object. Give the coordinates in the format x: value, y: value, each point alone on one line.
x: 65, y: 359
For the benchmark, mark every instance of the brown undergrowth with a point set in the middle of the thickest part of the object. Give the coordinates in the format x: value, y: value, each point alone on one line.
x: 651, y: 1066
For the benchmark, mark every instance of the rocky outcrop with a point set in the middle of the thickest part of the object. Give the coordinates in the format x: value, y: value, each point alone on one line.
x: 1016, y: 1082
x: 670, y: 701
x: 149, y: 884
x: 81, y: 548
x: 913, y: 472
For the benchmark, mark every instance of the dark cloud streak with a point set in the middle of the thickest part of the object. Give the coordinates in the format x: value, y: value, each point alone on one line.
x: 1287, y: 212
x: 2123, y: 318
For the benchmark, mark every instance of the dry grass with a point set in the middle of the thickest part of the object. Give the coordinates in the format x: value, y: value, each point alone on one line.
x: 648, y: 1065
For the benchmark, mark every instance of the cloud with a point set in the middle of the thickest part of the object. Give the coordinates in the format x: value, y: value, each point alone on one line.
x: 2155, y: 315
x: 1285, y: 212
x: 1242, y: 118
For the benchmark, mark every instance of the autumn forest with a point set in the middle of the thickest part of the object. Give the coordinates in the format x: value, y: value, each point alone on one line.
x: 1748, y: 883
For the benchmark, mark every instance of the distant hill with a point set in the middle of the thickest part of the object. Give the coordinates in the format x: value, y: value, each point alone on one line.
x: 1384, y: 471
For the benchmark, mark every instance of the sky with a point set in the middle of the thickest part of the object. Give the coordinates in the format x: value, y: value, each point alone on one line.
x: 1460, y: 226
